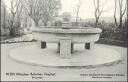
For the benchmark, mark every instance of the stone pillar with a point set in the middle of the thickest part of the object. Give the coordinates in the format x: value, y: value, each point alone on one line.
x: 72, y: 45
x: 41, y: 45
x: 89, y: 45
x: 65, y: 48
x: 58, y: 50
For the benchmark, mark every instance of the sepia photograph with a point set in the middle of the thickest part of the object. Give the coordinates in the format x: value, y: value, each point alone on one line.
x: 64, y: 40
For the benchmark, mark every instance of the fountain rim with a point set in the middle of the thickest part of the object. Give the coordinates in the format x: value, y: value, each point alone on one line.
x: 59, y: 29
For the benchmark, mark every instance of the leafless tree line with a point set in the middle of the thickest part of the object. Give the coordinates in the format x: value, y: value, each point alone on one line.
x: 15, y: 12
x: 11, y: 20
x: 41, y: 9
x: 35, y: 9
x: 3, y: 14
x: 78, y: 6
x: 120, y: 8
x: 45, y: 10
x: 98, y: 10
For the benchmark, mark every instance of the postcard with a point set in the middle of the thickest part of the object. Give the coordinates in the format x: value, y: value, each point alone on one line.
x: 64, y: 40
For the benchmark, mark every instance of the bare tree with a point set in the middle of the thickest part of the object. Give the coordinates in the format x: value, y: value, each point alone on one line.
x: 49, y: 10
x: 3, y: 14
x: 79, y: 4
x: 15, y: 13
x: 33, y: 9
x: 122, y: 11
x: 98, y: 10
x: 41, y: 9
x: 127, y: 14
x: 115, y: 3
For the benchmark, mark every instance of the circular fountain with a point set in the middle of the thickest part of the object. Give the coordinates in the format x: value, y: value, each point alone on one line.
x: 67, y: 37
x: 65, y: 47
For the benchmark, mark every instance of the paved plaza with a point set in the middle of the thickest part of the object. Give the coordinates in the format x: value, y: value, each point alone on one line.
x: 72, y: 74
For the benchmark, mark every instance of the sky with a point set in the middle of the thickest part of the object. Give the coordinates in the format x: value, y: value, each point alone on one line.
x: 86, y: 9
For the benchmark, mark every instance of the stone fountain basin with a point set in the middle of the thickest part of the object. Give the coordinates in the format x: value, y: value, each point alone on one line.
x: 76, y: 35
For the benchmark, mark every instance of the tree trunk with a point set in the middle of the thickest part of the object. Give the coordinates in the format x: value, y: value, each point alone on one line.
x: 36, y: 23
x: 12, y: 32
x: 4, y: 21
x: 120, y: 26
x: 45, y: 23
x: 96, y: 24
x: 77, y: 19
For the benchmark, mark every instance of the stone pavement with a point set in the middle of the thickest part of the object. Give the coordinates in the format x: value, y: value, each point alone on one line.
x: 49, y: 57
x: 70, y: 74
